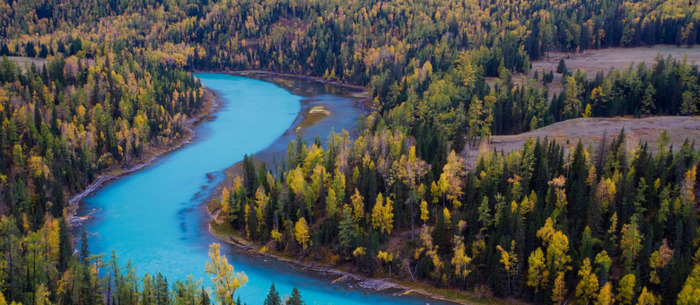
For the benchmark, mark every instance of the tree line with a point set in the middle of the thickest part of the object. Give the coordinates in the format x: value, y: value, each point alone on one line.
x: 115, y: 84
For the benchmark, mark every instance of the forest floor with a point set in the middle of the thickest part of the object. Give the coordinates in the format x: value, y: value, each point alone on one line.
x: 595, y: 61
x: 593, y: 130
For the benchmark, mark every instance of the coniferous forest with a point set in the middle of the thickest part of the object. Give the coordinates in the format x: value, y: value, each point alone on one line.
x: 609, y: 222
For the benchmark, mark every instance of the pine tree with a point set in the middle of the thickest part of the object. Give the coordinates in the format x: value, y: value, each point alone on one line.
x: 204, y: 297
x: 273, y: 297
x: 162, y: 295
x: 348, y: 233
x: 648, y: 103
x: 561, y: 67
x: 84, y: 252
x: 295, y: 298
x: 65, y: 245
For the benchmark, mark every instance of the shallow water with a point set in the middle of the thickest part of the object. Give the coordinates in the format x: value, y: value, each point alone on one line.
x: 156, y: 219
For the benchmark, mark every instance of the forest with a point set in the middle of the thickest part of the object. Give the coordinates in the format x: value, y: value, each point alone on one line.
x: 608, y: 222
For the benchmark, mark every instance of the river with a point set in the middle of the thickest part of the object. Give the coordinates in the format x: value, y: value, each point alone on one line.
x: 155, y: 217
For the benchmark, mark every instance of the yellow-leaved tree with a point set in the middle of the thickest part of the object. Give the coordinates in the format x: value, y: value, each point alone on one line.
x: 588, y: 284
x: 383, y: 215
x: 460, y: 260
x: 691, y: 289
x: 386, y: 258
x: 261, y: 201
x: 451, y: 178
x: 301, y: 232
x: 625, y: 290
x: 605, y: 296
x: 559, y: 292
x: 424, y: 211
x: 537, y: 271
x: 222, y: 275
x: 659, y: 260
x: 648, y: 298
x: 377, y: 212
x: 358, y: 206
x: 509, y: 259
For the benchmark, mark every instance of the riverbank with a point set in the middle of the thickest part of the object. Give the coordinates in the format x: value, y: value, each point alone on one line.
x: 258, y: 73
x: 365, y: 102
x: 152, y: 154
x: 399, y: 287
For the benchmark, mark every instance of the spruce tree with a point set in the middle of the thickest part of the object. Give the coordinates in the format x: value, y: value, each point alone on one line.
x: 273, y: 297
x: 295, y: 299
x: 65, y: 245
x: 84, y: 252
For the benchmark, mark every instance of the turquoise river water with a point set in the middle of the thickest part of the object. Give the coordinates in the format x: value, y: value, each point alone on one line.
x: 155, y: 217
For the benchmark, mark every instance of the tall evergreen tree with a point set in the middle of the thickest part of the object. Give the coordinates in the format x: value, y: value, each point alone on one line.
x: 273, y: 297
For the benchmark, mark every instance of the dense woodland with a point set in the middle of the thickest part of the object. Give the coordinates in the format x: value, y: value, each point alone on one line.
x: 604, y: 223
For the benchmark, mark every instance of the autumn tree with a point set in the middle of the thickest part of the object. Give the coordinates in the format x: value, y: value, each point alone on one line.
x: 451, y: 178
x: 659, y: 259
x: 572, y: 104
x: 301, y: 232
x: 460, y: 261
x: 625, y: 291
x: 386, y: 258
x: 559, y: 291
x: 537, y: 273
x: 383, y: 215
x: 630, y: 243
x: 691, y: 288
x: 605, y: 296
x: 222, y: 275
x: 588, y: 283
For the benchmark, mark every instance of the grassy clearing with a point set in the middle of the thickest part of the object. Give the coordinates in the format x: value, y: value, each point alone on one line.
x: 595, y: 61
x: 592, y: 131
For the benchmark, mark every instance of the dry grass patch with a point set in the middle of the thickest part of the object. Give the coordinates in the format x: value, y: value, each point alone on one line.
x: 592, y: 131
